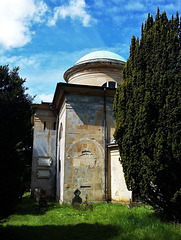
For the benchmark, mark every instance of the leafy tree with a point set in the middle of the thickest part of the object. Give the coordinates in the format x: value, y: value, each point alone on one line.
x: 147, y: 109
x: 15, y: 137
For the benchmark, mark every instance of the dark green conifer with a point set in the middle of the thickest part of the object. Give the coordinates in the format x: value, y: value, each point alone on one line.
x: 147, y: 110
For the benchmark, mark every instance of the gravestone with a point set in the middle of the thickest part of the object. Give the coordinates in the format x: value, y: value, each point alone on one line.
x: 77, y: 200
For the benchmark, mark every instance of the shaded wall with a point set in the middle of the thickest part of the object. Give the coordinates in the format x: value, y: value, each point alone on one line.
x: 44, y: 150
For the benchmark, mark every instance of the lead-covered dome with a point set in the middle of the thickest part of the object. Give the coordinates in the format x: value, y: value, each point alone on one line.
x: 97, y: 55
x: 97, y: 69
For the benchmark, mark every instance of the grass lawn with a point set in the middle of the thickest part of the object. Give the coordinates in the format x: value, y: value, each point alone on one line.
x: 106, y: 221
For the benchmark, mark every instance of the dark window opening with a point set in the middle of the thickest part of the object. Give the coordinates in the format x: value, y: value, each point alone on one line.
x: 44, y: 125
x: 59, y: 169
x: 54, y: 126
x: 112, y: 84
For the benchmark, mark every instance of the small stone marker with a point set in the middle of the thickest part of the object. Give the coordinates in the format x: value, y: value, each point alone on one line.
x: 77, y: 200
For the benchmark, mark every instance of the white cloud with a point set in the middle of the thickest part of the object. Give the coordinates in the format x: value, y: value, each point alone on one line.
x: 16, y: 18
x: 45, y: 98
x: 76, y: 10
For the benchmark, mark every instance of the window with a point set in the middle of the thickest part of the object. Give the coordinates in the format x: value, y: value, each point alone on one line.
x: 111, y: 84
x: 44, y: 125
x: 59, y: 167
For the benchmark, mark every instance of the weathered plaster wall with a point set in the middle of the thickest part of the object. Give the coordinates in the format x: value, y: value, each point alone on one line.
x: 117, y: 184
x: 44, y: 148
x: 84, y: 147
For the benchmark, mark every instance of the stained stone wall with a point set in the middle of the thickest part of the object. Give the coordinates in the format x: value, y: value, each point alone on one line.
x: 44, y: 150
x: 84, y: 146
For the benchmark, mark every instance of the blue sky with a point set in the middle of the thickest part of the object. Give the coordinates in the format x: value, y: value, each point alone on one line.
x: 46, y: 37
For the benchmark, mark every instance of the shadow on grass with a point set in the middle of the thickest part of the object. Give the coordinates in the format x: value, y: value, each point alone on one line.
x: 29, y: 206
x: 81, y: 231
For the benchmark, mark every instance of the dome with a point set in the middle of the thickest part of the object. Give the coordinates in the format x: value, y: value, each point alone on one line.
x: 93, y: 56
x: 96, y: 69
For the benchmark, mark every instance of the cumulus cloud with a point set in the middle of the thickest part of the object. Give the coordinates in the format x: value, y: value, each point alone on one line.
x: 16, y: 18
x: 75, y: 10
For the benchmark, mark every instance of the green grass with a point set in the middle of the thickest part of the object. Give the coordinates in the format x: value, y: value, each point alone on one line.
x: 106, y: 221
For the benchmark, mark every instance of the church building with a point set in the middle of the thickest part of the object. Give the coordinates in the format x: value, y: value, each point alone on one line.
x: 73, y: 143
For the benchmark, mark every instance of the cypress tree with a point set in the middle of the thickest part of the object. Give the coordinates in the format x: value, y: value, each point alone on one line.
x: 147, y: 109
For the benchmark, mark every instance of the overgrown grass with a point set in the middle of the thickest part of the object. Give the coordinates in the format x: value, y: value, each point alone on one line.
x: 106, y: 221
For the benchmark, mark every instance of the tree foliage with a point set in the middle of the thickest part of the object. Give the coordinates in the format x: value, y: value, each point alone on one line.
x: 15, y: 137
x: 147, y: 109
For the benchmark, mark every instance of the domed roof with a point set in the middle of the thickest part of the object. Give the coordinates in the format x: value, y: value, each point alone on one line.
x: 93, y: 56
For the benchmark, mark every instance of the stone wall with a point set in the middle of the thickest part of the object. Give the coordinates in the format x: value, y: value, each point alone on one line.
x: 118, y: 191
x: 84, y: 149
x: 96, y: 77
x: 44, y: 150
x: 61, y: 153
